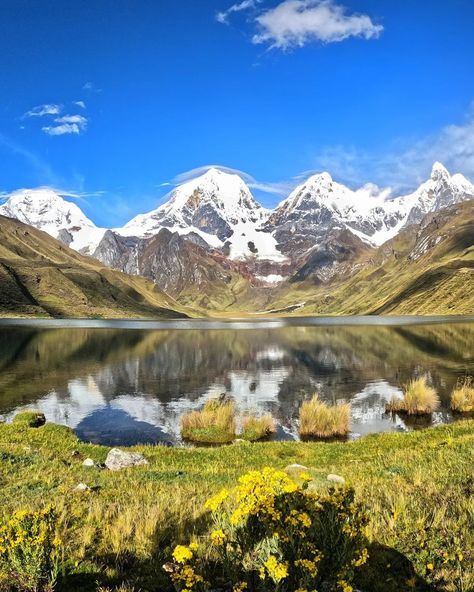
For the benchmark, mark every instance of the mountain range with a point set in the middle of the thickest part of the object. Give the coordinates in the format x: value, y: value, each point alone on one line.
x: 212, y: 245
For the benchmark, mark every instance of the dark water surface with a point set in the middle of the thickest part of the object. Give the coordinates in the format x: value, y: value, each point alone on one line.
x: 124, y: 382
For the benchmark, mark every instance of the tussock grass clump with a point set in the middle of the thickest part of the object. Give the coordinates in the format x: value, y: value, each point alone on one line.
x: 462, y: 397
x: 319, y: 420
x: 419, y: 398
x: 30, y: 419
x: 213, y: 424
x: 257, y: 428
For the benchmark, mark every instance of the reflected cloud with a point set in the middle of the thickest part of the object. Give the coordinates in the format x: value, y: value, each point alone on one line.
x: 114, y: 385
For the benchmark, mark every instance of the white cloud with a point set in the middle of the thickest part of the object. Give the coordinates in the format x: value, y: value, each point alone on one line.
x: 293, y: 23
x: 281, y: 188
x: 79, y: 119
x: 61, y: 130
x: 80, y: 104
x: 223, y: 16
x: 42, y: 110
x: 90, y: 86
x: 405, y: 165
x: 67, y: 124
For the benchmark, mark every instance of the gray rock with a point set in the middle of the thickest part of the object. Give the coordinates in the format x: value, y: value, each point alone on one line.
x: 82, y: 487
x: 336, y: 478
x: 295, y: 467
x: 118, y: 459
x: 89, y: 463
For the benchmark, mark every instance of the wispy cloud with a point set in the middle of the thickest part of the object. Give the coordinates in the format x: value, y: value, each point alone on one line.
x: 67, y: 124
x: 294, y: 23
x: 405, y: 165
x: 91, y: 87
x: 43, y: 110
x: 280, y: 188
x: 40, y: 166
x: 223, y: 16
x: 80, y: 104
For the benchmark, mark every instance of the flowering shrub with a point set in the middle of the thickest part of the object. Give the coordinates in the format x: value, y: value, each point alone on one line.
x: 29, y: 550
x: 273, y: 534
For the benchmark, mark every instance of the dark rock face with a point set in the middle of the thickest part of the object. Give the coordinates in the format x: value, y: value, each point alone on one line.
x: 331, y: 257
x: 65, y: 237
x: 176, y: 262
x: 119, y: 252
x: 208, y: 220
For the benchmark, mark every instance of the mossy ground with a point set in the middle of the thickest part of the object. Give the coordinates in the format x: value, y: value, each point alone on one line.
x: 417, y: 486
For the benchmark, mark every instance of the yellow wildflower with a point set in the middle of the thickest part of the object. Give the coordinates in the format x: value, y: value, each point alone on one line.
x: 182, y: 554
x: 344, y: 586
x: 218, y: 537
x: 307, y: 565
x: 276, y: 570
x: 214, y: 502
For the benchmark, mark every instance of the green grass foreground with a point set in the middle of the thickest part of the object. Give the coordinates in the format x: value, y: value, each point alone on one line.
x: 418, y: 488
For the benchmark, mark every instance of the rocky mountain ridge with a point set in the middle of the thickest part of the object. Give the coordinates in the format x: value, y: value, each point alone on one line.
x: 212, y: 232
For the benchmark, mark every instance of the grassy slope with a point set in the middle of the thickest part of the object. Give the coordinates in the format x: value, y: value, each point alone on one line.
x: 418, y: 487
x: 40, y: 276
x: 402, y: 279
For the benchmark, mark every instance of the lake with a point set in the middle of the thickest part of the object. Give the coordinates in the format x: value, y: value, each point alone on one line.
x: 127, y: 382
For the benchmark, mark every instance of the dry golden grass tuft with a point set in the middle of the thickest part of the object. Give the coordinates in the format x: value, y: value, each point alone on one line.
x: 419, y: 398
x: 257, y: 428
x: 213, y: 424
x: 462, y: 397
x: 319, y: 420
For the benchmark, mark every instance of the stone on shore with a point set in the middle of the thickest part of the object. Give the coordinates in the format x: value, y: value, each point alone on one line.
x: 118, y: 459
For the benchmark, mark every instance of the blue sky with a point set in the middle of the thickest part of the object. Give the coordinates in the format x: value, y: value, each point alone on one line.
x: 113, y: 101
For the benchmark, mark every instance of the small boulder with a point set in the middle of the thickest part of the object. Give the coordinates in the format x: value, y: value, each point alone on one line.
x: 336, y: 479
x: 118, y: 459
x: 295, y: 467
x: 88, y: 463
x: 82, y: 487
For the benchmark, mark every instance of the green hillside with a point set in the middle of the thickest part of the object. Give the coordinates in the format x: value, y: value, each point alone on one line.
x: 426, y: 269
x: 40, y: 276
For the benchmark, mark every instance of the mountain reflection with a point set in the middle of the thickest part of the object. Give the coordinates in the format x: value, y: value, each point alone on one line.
x: 132, y: 385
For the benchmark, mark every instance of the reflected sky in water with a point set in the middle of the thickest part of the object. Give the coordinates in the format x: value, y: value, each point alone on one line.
x: 128, y: 382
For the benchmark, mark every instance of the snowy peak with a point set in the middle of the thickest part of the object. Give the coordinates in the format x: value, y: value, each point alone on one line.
x: 439, y: 172
x: 47, y: 210
x: 224, y: 192
x: 440, y: 191
x: 219, y: 207
x: 212, y: 203
x: 43, y: 207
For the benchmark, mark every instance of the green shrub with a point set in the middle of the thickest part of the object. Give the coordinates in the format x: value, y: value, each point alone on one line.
x: 319, y: 420
x: 257, y: 428
x: 214, y: 424
x: 30, y: 419
x: 419, y: 398
x: 272, y: 534
x: 30, y: 550
x: 462, y: 397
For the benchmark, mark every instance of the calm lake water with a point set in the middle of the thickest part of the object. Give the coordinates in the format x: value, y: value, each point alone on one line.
x: 119, y: 382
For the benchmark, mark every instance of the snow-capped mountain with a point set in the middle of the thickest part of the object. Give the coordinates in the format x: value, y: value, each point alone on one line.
x: 321, y: 224
x: 217, y: 206
x: 321, y: 205
x: 46, y: 210
x: 440, y: 191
